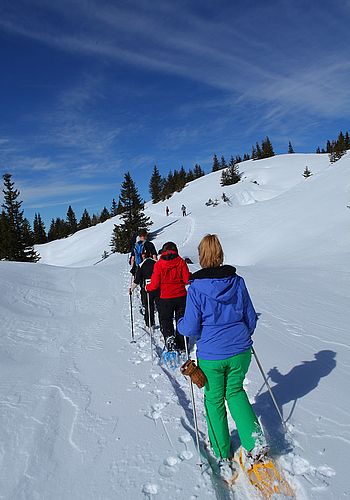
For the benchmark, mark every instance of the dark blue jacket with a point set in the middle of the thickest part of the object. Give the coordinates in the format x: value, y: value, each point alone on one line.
x: 219, y: 312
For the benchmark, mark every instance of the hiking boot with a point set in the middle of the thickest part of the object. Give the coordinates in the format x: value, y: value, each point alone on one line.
x: 228, y: 469
x: 170, y: 343
x: 257, y: 455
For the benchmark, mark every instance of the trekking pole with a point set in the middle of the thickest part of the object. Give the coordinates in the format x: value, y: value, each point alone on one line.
x: 149, y: 319
x: 133, y: 341
x: 194, y: 410
x: 269, y: 389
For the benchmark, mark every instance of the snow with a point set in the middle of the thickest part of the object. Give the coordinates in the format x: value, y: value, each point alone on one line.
x: 85, y: 414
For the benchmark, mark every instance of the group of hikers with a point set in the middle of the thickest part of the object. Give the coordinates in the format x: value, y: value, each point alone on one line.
x: 183, y: 210
x: 213, y: 307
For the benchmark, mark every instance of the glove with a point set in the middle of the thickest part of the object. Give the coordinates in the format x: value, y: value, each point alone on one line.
x: 190, y: 369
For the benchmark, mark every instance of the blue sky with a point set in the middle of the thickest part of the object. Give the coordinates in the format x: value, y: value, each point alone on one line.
x: 90, y: 89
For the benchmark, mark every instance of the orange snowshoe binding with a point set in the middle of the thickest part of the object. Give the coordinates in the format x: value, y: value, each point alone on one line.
x: 264, y: 476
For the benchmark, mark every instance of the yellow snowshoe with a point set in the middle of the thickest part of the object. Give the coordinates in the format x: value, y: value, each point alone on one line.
x: 265, y: 477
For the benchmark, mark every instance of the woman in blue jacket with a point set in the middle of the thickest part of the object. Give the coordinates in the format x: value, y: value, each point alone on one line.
x: 220, y: 314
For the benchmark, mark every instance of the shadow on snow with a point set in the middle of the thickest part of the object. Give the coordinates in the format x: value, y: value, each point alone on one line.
x: 291, y: 387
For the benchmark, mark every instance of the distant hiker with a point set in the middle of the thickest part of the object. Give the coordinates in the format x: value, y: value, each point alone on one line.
x: 171, y: 276
x: 143, y: 274
x: 183, y: 209
x: 220, y: 314
x: 167, y: 211
x: 140, y: 245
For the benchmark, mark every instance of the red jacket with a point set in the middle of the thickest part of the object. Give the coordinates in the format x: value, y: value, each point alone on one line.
x: 170, y: 274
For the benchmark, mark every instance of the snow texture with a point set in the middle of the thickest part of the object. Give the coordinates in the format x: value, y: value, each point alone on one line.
x: 85, y: 414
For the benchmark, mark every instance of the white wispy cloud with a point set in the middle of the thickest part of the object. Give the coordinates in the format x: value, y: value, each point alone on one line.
x: 48, y: 204
x: 173, y: 37
x: 54, y: 190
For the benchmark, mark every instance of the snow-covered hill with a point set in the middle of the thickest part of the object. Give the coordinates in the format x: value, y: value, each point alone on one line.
x: 86, y: 415
x: 273, y: 215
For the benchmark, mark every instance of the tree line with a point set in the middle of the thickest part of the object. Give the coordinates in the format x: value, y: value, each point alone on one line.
x: 162, y: 188
x: 17, y: 238
x: 61, y: 228
x: 337, y: 147
x: 16, y: 235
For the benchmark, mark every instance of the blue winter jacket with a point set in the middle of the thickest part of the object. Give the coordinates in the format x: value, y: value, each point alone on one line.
x: 219, y: 312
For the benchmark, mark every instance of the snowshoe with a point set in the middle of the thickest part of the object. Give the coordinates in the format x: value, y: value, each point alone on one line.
x: 170, y: 355
x: 228, y: 470
x: 224, y: 470
x: 264, y: 475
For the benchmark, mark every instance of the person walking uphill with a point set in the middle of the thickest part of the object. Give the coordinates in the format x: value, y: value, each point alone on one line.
x: 136, y: 253
x: 142, y: 276
x: 220, y: 313
x: 171, y: 275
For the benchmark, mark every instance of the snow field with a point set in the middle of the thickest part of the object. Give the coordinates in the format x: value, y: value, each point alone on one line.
x: 86, y: 415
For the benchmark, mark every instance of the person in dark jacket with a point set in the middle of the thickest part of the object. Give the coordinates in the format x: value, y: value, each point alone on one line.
x: 143, y: 243
x: 220, y: 314
x: 142, y: 277
x: 171, y: 276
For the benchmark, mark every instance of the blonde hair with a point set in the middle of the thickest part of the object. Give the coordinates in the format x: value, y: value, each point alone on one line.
x: 210, y: 251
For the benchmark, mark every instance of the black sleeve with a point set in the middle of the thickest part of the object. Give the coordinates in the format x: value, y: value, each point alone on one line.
x: 152, y: 248
x: 138, y: 276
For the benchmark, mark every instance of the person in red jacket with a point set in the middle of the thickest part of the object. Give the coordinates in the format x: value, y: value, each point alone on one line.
x: 170, y: 275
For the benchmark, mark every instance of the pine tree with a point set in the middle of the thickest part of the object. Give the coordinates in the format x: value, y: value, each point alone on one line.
x: 341, y: 142
x: 290, y: 148
x: 338, y: 148
x: 181, y: 179
x: 169, y: 185
x: 347, y: 140
x: 198, y: 171
x: 51, y: 235
x: 62, y: 229
x: 267, y: 149
x: 104, y: 215
x: 318, y: 151
x: 254, y: 153
x: 72, y: 224
x: 231, y: 174
x: 4, y: 235
x: 156, y: 185
x: 28, y: 234
x: 94, y: 220
x: 246, y: 157
x: 223, y: 163
x: 224, y: 178
x: 114, y: 208
x: 259, y: 154
x: 120, y: 208
x: 18, y: 245
x: 133, y: 217
x: 85, y: 220
x: 190, y: 175
x: 307, y: 172
x: 39, y: 230
x: 216, y: 164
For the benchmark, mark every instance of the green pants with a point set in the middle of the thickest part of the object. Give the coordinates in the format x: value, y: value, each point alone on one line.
x: 225, y: 382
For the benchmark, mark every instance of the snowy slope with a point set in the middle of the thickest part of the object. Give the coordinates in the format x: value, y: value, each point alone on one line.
x: 83, y: 248
x: 86, y: 415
